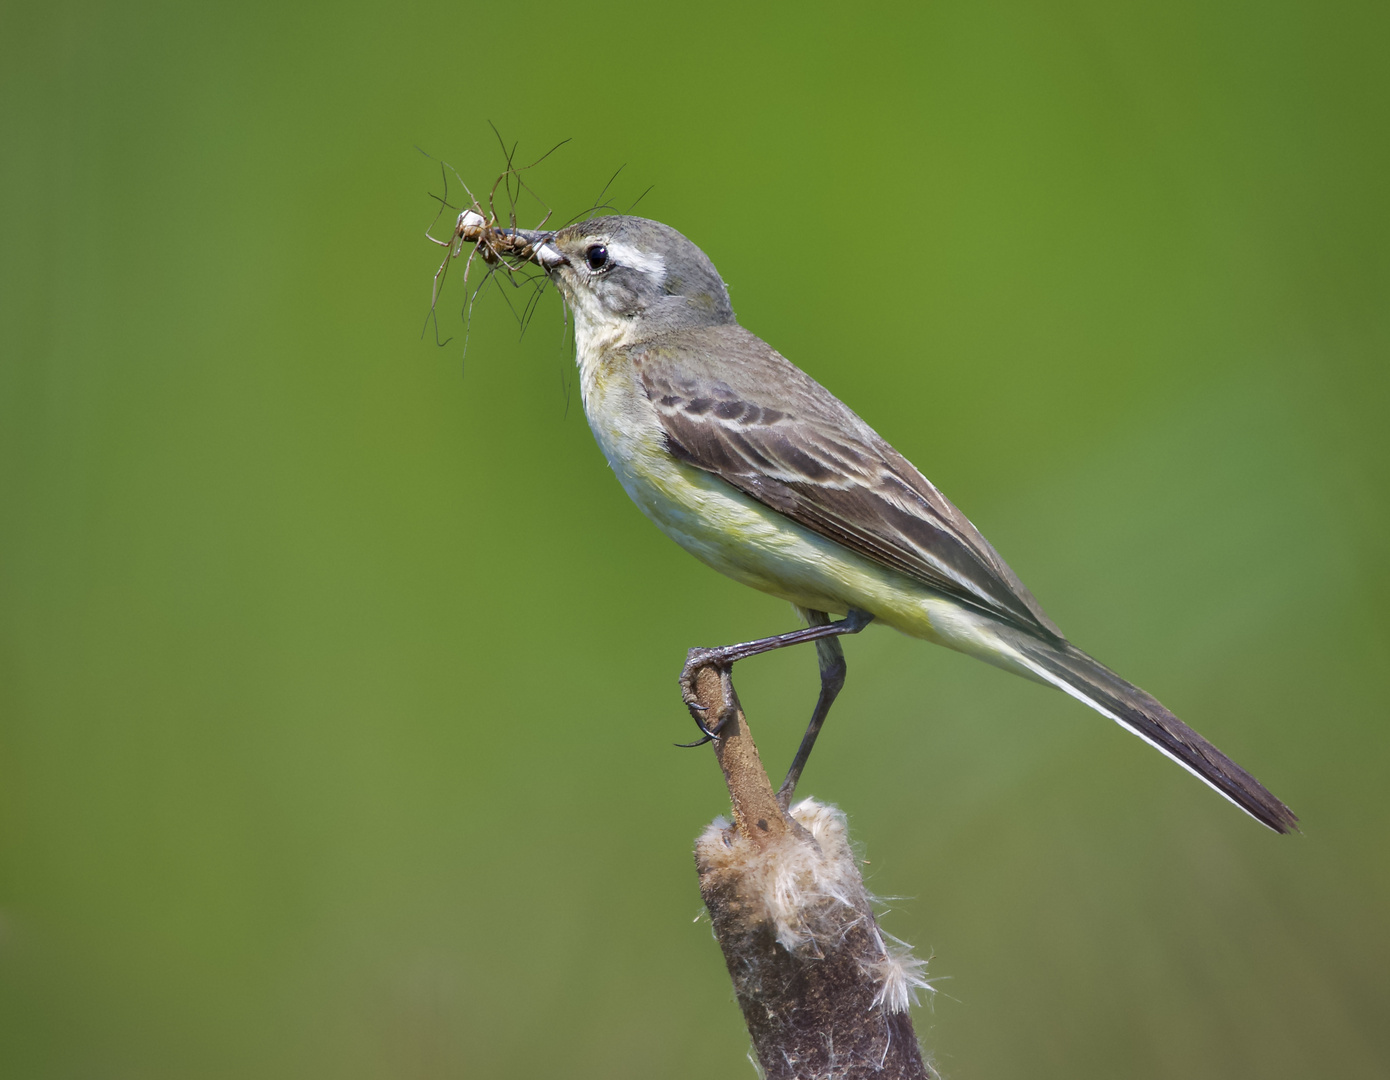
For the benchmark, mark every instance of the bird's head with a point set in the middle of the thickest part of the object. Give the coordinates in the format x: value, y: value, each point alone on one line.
x: 631, y: 274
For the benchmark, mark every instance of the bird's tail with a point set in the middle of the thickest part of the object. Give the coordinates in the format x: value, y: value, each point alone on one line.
x: 1088, y: 680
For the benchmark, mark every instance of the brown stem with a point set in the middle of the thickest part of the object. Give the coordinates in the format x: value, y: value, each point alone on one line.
x: 757, y: 813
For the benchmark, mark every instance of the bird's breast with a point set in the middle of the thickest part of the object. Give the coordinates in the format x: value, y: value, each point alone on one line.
x: 623, y: 421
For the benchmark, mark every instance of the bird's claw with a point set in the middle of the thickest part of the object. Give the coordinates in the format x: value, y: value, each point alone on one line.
x: 694, y: 661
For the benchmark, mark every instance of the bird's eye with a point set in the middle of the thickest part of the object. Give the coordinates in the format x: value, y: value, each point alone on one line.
x: 596, y: 257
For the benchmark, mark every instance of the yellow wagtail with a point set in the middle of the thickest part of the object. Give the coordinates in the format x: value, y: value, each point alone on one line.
x: 760, y: 472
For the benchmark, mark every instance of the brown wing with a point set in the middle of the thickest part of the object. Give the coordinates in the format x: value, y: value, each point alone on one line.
x: 734, y: 407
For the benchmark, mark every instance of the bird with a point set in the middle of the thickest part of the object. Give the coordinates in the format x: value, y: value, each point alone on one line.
x: 760, y: 472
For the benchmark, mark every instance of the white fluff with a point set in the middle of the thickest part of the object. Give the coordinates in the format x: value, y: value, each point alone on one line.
x: 811, y: 894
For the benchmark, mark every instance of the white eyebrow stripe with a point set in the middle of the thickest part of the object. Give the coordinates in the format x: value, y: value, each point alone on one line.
x: 648, y: 263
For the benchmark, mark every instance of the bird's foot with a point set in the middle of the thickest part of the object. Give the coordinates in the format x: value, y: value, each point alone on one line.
x: 694, y: 661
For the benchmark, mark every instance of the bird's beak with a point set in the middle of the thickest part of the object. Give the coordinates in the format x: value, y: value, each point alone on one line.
x: 543, y: 249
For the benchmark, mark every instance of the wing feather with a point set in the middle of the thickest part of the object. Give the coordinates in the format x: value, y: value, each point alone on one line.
x: 731, y: 405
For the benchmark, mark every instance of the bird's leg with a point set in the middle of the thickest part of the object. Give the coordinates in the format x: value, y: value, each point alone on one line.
x: 724, y: 658
x: 831, y: 659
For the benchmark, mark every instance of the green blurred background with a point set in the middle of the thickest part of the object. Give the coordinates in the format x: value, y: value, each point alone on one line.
x: 337, y: 674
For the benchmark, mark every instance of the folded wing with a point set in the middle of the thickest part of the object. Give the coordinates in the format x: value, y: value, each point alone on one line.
x: 769, y: 430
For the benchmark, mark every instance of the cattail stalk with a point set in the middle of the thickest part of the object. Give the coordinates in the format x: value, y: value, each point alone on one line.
x: 823, y: 990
